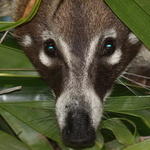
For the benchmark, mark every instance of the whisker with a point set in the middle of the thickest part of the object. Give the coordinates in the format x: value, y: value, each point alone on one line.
x: 133, y: 91
x: 144, y: 86
x: 137, y: 75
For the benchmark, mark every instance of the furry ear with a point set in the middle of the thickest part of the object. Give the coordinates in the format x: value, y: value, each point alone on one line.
x: 21, y: 6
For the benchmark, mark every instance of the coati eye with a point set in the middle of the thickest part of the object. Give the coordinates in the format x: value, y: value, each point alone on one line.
x: 50, y: 48
x: 109, y: 46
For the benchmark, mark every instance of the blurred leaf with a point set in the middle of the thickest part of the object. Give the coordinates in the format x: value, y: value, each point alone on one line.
x: 145, y: 145
x: 114, y: 145
x: 5, y: 127
x: 134, y: 17
x: 121, y: 132
x: 7, y: 142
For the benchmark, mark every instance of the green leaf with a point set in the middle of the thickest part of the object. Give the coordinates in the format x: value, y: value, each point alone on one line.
x: 33, y: 89
x: 7, y: 142
x: 34, y: 140
x: 114, y: 145
x: 22, y: 20
x: 10, y: 43
x: 43, y: 121
x: 121, y: 132
x: 12, y: 59
x: 127, y: 103
x: 144, y: 4
x: 34, y: 106
x: 134, y: 17
x: 143, y: 114
x: 145, y: 145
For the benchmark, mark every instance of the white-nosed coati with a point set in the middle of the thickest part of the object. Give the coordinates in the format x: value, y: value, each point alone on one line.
x: 80, y: 48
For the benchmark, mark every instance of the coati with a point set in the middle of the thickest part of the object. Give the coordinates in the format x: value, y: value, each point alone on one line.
x: 80, y: 48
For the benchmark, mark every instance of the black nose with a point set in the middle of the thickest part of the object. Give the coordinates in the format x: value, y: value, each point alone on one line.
x: 78, y: 131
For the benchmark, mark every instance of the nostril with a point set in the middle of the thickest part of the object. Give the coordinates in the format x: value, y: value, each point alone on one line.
x: 78, y: 130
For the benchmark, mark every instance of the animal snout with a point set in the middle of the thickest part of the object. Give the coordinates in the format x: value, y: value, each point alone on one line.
x: 78, y: 131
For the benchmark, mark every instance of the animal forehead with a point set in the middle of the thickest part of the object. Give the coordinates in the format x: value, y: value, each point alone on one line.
x: 84, y: 17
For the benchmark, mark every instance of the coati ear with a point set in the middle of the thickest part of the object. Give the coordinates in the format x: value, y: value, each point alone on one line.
x: 21, y: 6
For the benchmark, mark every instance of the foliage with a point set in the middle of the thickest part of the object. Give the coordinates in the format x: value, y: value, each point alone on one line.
x: 28, y: 118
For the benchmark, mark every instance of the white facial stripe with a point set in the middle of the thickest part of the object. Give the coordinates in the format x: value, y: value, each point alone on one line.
x: 47, y: 61
x: 132, y: 38
x: 66, y: 52
x: 115, y: 58
x: 96, y: 106
x: 91, y: 52
x: 27, y: 41
x: 90, y: 96
x: 111, y: 33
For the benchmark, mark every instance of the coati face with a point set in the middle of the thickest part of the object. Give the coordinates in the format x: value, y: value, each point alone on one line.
x: 80, y: 49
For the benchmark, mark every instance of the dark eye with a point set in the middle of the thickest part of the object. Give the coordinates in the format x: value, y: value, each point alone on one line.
x: 50, y: 48
x: 109, y: 46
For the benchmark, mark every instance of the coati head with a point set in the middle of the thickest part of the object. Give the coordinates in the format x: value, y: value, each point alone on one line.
x: 80, y: 48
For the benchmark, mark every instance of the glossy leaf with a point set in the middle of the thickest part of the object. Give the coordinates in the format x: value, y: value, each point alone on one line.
x: 134, y: 16
x: 121, y: 132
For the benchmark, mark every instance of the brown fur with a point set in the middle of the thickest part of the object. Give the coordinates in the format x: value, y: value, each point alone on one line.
x: 77, y: 23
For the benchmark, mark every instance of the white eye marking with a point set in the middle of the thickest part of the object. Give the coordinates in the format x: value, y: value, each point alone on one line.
x: 66, y: 52
x: 91, y: 52
x: 115, y: 57
x: 132, y: 38
x: 111, y: 33
x: 45, y: 59
x: 27, y: 41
